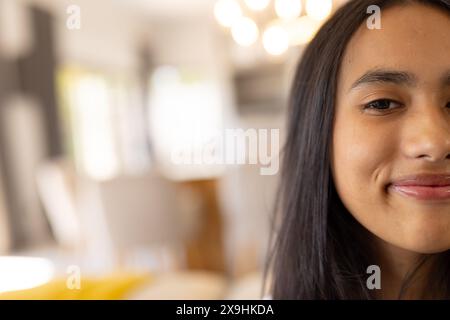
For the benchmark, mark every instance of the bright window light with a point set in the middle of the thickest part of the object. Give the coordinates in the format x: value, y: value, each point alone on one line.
x: 93, y: 117
x: 186, y: 115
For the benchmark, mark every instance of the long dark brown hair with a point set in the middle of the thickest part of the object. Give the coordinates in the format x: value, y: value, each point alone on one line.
x: 319, y: 251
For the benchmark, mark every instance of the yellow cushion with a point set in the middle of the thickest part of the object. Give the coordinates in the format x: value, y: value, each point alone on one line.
x: 112, y: 287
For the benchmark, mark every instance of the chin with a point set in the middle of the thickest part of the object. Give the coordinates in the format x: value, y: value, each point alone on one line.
x: 427, y: 248
x: 426, y: 243
x: 423, y: 232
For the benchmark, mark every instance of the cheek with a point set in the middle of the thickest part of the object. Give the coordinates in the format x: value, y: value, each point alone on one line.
x: 362, y: 159
x: 364, y: 156
x: 361, y: 156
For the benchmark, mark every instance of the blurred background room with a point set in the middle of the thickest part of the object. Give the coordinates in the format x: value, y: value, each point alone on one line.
x: 94, y: 98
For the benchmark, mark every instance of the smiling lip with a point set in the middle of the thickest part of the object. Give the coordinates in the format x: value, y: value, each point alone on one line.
x: 424, y: 186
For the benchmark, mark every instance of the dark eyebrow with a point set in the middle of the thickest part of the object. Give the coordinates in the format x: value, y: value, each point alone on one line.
x: 386, y: 76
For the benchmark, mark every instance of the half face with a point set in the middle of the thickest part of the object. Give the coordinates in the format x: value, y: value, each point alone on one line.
x: 391, y: 135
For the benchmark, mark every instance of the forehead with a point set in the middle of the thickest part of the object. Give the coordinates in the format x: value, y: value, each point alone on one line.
x: 414, y: 38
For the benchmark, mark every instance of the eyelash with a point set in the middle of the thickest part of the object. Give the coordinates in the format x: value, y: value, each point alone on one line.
x: 370, y: 105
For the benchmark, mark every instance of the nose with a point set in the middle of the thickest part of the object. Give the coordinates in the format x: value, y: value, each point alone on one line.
x: 427, y: 134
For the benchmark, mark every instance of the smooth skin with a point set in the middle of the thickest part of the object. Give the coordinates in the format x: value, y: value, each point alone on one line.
x: 392, y: 119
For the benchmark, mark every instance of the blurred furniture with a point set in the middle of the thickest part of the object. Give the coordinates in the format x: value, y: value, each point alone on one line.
x: 105, y: 287
x: 22, y: 147
x: 246, y: 287
x: 142, y: 211
x: 56, y: 186
x: 142, y: 219
x: 206, y: 249
x: 181, y: 285
x: 247, y: 200
x: 29, y: 129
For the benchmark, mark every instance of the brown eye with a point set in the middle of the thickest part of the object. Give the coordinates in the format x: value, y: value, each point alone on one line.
x: 382, y: 105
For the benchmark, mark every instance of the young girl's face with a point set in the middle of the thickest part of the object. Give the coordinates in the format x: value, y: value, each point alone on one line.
x: 392, y: 127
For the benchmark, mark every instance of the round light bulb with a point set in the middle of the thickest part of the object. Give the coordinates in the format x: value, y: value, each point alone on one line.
x: 288, y: 9
x: 302, y: 30
x: 257, y: 5
x: 275, y: 40
x: 245, y: 31
x: 319, y: 9
x: 227, y: 12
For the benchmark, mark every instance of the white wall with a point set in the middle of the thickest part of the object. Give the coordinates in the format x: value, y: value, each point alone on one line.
x: 108, y: 36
